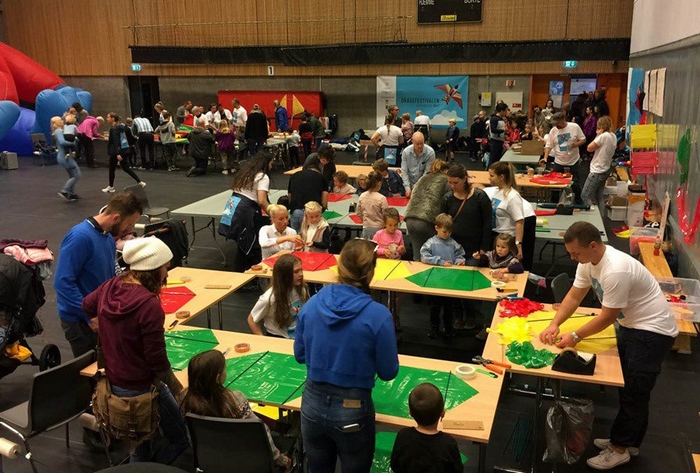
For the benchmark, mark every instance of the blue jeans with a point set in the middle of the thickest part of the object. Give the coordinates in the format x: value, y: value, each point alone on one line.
x: 594, y: 188
x: 331, y: 431
x: 73, y: 171
x: 295, y: 219
x: 166, y: 448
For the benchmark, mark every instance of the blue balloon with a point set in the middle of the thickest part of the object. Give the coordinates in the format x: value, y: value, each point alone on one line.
x: 9, y: 113
x: 18, y: 139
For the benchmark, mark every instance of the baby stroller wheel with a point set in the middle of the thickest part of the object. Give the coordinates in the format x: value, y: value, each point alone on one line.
x: 50, y: 357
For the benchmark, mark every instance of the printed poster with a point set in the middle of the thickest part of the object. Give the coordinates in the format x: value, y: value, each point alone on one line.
x: 437, y: 97
x: 556, y: 92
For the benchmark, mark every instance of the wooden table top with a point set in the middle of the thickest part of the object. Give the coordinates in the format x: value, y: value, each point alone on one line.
x: 204, y: 298
x: 353, y: 170
x: 482, y: 178
x: 607, y: 371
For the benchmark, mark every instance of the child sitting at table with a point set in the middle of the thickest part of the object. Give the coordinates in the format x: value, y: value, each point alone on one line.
x: 278, y: 307
x: 278, y: 236
x: 503, y: 258
x: 371, y: 205
x: 392, y: 185
x: 207, y: 396
x: 315, y: 231
x: 361, y: 182
x: 340, y: 184
x: 389, y: 240
x: 442, y: 250
x: 424, y: 447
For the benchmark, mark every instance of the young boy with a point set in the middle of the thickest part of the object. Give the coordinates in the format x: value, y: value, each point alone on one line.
x: 340, y: 184
x: 392, y: 185
x: 442, y: 250
x: 424, y: 447
x: 361, y: 183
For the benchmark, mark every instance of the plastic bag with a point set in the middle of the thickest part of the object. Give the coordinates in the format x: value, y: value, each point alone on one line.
x: 524, y: 354
x: 568, y: 429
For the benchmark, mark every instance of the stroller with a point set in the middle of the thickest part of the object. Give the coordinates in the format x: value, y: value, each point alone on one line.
x: 22, y: 294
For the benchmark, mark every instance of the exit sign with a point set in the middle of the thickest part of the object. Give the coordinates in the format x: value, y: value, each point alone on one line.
x: 570, y: 64
x: 135, y: 67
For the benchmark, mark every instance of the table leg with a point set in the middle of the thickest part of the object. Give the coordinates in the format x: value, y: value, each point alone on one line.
x: 220, y: 307
x: 482, y: 458
x: 212, y: 223
x: 535, y: 423
x: 209, y: 317
x: 194, y: 234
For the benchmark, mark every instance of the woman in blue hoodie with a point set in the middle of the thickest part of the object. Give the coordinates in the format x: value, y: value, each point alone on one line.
x: 345, y: 339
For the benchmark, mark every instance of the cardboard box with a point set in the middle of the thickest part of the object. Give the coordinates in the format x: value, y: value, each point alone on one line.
x: 532, y: 148
x: 616, y: 208
x: 9, y: 160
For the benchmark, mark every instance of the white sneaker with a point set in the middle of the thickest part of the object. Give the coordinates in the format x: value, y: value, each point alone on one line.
x: 225, y: 171
x: 109, y: 189
x: 605, y: 443
x: 142, y: 184
x: 608, y: 459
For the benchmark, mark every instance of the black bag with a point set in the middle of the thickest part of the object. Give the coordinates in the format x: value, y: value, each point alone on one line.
x: 568, y: 429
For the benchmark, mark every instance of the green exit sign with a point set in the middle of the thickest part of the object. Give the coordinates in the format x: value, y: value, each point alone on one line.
x: 135, y: 67
x: 570, y: 64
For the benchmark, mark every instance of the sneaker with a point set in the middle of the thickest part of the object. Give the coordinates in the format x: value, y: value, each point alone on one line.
x: 141, y: 168
x: 605, y: 443
x: 225, y: 171
x: 64, y: 196
x: 173, y: 168
x: 142, y: 184
x: 608, y: 459
x: 109, y: 189
x: 74, y: 197
x: 189, y: 173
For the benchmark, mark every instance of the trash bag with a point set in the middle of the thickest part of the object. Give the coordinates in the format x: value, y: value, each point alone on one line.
x: 568, y: 430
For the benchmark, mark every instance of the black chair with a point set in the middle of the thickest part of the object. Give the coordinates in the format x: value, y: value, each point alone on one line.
x: 174, y: 234
x: 218, y: 443
x: 560, y: 287
x: 57, y: 396
x: 148, y: 211
x: 42, y: 149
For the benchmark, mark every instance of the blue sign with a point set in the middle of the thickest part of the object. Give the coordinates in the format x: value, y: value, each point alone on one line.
x: 570, y: 64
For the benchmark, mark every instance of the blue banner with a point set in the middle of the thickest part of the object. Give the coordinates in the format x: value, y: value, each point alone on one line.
x: 438, y: 97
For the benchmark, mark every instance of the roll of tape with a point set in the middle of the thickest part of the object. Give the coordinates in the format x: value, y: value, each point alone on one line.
x: 465, y: 371
x: 8, y: 449
x: 185, y: 279
x: 573, y: 350
x: 242, y: 347
x: 498, y: 284
x: 182, y: 314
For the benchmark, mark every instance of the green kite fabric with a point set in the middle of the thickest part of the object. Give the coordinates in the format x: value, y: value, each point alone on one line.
x: 236, y: 366
x: 683, y: 155
x: 204, y: 335
x: 525, y: 354
x: 445, y: 278
x: 331, y: 214
x: 274, y: 378
x: 180, y: 350
x: 391, y: 397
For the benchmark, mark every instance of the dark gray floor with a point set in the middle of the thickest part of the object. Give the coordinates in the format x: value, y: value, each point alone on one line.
x: 32, y: 210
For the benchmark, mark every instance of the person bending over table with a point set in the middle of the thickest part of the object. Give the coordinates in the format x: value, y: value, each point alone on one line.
x: 130, y: 319
x: 630, y: 295
x: 416, y: 161
x: 345, y: 339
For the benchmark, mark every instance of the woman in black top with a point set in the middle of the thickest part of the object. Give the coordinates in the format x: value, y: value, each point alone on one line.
x: 470, y: 209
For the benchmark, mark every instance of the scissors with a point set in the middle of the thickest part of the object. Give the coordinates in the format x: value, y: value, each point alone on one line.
x: 491, y: 365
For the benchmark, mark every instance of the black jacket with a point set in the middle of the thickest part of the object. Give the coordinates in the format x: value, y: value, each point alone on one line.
x: 114, y: 144
x: 201, y: 143
x: 256, y: 126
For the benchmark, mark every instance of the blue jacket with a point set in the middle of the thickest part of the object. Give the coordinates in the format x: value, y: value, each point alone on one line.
x: 85, y: 261
x: 346, y: 339
x: 437, y: 251
x: 392, y: 185
x: 281, y: 120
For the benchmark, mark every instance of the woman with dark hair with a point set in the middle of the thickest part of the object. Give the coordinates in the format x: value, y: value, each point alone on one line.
x: 346, y: 340
x: 470, y: 209
x: 131, y: 334
x: 278, y: 307
x: 242, y: 218
x: 206, y: 396
x: 121, y: 140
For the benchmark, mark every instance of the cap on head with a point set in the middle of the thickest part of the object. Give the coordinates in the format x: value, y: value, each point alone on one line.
x: 146, y: 254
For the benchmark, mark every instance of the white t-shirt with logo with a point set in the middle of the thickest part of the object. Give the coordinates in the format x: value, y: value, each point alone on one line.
x: 264, y: 311
x: 621, y: 282
x: 507, y: 209
x: 559, y: 139
x: 602, y: 157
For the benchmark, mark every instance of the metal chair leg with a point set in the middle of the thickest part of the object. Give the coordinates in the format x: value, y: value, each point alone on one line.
x: 67, y: 436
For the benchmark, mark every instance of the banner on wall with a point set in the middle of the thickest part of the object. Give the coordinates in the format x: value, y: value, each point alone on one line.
x: 438, y: 97
x: 294, y: 101
x: 556, y: 92
x: 635, y: 98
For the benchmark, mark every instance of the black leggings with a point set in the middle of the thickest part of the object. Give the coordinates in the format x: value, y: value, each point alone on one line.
x: 125, y: 154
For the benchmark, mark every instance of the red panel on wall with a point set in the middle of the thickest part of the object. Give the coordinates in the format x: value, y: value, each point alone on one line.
x: 294, y: 102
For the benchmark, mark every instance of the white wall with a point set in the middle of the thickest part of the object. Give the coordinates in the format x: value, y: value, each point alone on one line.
x: 659, y: 22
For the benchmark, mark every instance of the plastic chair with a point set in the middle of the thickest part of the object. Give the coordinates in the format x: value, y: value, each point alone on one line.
x: 148, y: 211
x: 218, y: 443
x: 57, y: 396
x: 560, y: 287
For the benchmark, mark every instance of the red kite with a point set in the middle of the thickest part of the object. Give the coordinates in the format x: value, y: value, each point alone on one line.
x: 450, y: 94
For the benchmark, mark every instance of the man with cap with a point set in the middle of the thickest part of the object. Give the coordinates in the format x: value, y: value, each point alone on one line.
x: 87, y: 259
x: 132, y: 340
x: 497, y: 133
x: 564, y: 139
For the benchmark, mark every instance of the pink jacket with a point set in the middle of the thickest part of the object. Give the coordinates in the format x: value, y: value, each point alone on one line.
x: 90, y: 127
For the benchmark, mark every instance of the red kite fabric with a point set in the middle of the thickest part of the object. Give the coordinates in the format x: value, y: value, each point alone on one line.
x: 173, y: 298
x: 309, y: 261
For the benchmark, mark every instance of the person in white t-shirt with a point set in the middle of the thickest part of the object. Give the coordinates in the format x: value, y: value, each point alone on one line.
x: 279, y: 235
x: 278, y: 307
x: 389, y: 134
x: 630, y: 295
x: 239, y: 117
x: 564, y: 140
x: 603, y: 148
